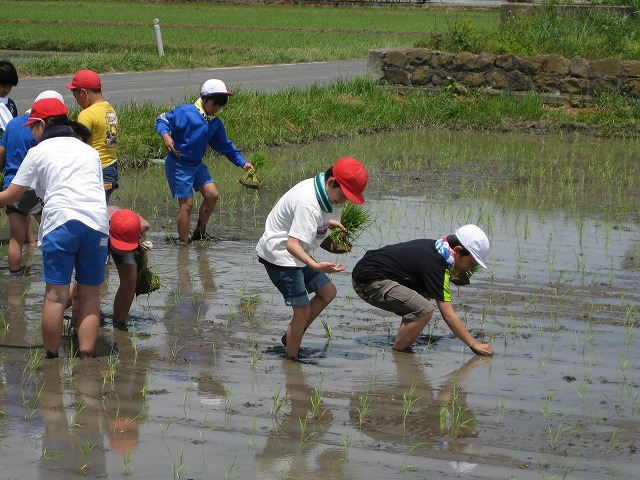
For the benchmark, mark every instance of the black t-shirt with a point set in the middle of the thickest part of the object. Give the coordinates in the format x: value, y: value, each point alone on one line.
x: 415, y: 264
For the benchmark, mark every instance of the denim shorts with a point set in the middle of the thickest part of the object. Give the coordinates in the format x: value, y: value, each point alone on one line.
x: 110, y: 178
x: 74, y: 245
x: 184, y: 179
x: 295, y: 283
x: 27, y: 204
x: 389, y: 295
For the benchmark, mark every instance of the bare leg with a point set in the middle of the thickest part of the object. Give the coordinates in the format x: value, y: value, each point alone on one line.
x: 128, y: 274
x: 19, y: 227
x: 55, y: 302
x: 88, y: 317
x: 409, y: 331
x: 304, y: 316
x: 210, y: 198
x: 183, y: 218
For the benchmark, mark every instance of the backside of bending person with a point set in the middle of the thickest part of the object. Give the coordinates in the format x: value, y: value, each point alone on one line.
x: 74, y: 234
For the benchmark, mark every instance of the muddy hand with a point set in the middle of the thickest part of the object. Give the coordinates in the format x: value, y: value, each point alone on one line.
x: 482, y: 349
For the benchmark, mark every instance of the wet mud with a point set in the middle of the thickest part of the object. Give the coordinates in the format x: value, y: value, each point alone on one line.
x: 196, y: 386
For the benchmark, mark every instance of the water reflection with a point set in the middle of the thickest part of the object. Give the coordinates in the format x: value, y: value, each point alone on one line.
x: 438, y: 416
x: 294, y: 448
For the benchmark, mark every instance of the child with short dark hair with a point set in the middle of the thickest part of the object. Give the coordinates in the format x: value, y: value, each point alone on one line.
x: 406, y: 277
x: 186, y: 132
x: 8, y: 80
x: 295, y: 227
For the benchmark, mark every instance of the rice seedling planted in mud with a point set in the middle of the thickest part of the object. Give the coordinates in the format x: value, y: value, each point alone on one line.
x: 355, y: 219
x: 278, y: 402
x: 408, y: 401
x: 317, y: 410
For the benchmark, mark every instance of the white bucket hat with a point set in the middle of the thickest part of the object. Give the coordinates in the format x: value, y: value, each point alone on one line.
x: 213, y: 86
x: 475, y: 240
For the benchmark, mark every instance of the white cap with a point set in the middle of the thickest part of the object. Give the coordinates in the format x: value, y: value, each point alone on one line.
x: 213, y: 86
x: 46, y: 94
x: 49, y: 94
x: 474, y: 240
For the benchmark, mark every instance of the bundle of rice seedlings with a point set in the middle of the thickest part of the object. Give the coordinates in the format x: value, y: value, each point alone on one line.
x: 250, y: 179
x: 355, y: 219
x: 462, y: 277
x: 147, y: 280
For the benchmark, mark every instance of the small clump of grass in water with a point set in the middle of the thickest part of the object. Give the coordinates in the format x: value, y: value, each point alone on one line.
x: 250, y: 178
x: 355, y: 219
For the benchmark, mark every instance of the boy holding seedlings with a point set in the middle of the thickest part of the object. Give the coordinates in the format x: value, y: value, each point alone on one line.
x: 294, y: 228
x: 66, y: 174
x: 405, y: 279
x: 126, y: 237
x: 100, y: 117
x: 186, y: 132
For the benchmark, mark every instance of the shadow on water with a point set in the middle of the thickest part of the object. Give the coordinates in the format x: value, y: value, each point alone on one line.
x: 196, y: 385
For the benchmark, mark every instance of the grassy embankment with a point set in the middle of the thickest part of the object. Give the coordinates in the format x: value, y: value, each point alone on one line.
x: 204, y: 35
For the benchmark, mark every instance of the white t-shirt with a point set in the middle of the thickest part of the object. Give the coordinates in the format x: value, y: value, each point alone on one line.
x: 66, y: 173
x: 297, y: 214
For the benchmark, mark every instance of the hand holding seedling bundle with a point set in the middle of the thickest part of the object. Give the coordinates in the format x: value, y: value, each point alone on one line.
x: 355, y: 219
x: 250, y: 179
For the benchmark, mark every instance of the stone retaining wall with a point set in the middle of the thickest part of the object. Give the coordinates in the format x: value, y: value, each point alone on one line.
x: 551, y: 75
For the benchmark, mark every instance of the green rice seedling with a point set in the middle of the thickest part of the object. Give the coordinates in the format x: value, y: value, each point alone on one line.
x: 108, y: 375
x: 458, y: 414
x: 231, y: 471
x: 87, y: 447
x: 327, y: 328
x: 317, y: 410
x: 278, y: 402
x: 408, y: 401
x: 363, y: 408
x: 175, y: 349
x: 556, y: 431
x: 4, y: 323
x: 148, y: 381
x: 305, y: 439
x: 250, y: 178
x: 500, y: 411
x: 405, y: 467
x: 355, y: 219
x: 80, y: 406
x: 51, y: 455
x: 34, y: 361
x: 346, y: 441
x: 165, y: 428
x: 256, y: 354
x: 179, y: 467
x: 127, y: 457
x: 33, y: 408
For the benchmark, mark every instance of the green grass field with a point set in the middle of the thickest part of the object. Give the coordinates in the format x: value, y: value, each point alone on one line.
x: 119, y: 36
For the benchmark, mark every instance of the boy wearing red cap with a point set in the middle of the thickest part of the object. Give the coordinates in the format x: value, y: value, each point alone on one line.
x: 295, y: 227
x: 405, y: 279
x: 186, y: 132
x: 66, y: 174
x: 126, y: 235
x: 100, y: 117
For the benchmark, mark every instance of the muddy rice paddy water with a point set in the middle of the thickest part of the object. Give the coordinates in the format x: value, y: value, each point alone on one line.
x: 197, y: 388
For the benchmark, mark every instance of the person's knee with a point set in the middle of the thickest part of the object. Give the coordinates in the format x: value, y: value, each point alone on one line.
x: 186, y: 204
x: 327, y: 293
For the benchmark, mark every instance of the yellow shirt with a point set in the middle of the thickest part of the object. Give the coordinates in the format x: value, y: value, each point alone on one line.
x: 102, y: 120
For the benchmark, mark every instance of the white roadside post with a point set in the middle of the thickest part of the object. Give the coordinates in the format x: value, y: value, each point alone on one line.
x: 156, y: 27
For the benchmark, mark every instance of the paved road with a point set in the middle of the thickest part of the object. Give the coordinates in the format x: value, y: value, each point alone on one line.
x: 171, y: 87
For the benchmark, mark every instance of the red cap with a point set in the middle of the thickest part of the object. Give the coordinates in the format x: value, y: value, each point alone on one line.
x: 45, y: 108
x: 124, y: 230
x: 85, y: 79
x: 352, y: 177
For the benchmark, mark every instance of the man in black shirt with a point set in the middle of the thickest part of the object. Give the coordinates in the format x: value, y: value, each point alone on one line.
x: 404, y: 279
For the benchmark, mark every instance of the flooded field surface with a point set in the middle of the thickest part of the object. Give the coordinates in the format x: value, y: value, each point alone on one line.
x: 197, y: 387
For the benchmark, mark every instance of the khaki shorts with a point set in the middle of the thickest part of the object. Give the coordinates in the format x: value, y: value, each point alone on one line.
x: 389, y: 295
x: 27, y: 204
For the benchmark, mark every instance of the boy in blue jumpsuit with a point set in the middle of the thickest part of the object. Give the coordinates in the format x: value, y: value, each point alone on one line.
x: 186, y: 132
